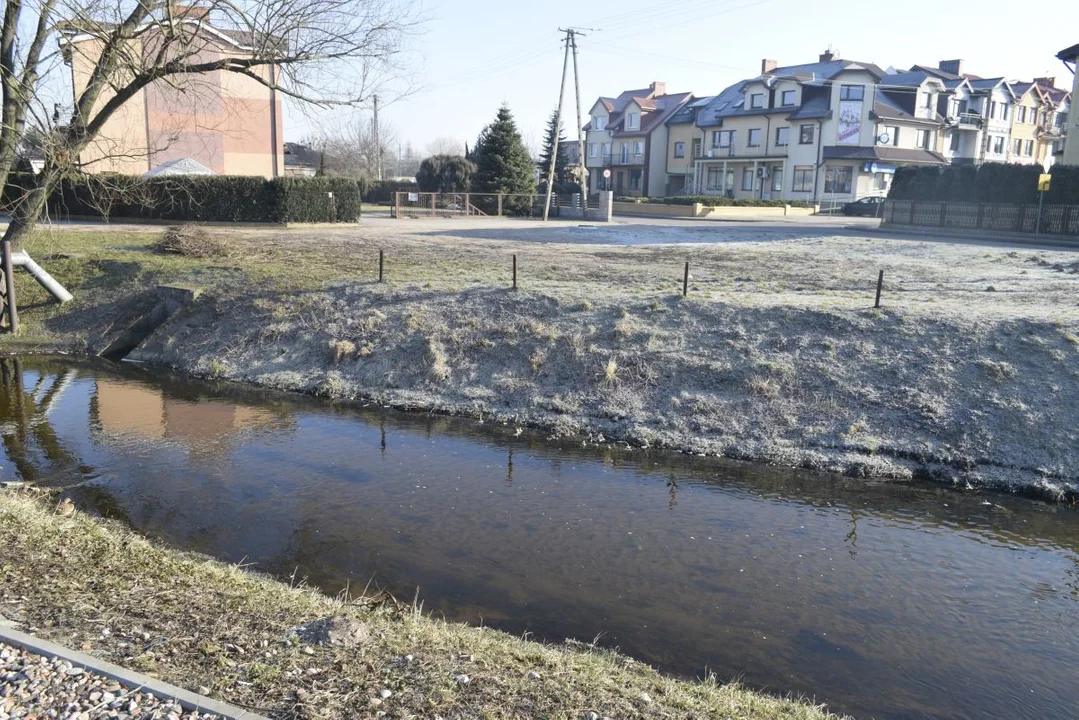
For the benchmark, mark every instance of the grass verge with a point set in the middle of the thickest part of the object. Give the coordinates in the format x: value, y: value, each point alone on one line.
x: 196, y: 622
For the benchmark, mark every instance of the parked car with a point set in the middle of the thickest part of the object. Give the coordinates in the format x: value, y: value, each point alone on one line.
x: 868, y: 206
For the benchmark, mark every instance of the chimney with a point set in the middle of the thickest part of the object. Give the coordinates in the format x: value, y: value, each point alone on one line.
x: 829, y: 55
x: 955, y: 67
x: 768, y: 66
x: 658, y: 88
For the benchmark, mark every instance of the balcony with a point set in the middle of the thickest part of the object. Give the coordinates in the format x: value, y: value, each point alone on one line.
x: 968, y: 121
x: 745, y: 152
x: 627, y: 159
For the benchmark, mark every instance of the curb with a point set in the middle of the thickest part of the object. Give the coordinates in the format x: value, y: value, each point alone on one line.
x: 187, y: 699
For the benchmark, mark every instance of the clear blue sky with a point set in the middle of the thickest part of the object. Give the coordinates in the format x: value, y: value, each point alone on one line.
x: 475, y: 54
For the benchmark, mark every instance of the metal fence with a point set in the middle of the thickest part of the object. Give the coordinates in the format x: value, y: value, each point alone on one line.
x: 1032, y: 219
x: 427, y: 204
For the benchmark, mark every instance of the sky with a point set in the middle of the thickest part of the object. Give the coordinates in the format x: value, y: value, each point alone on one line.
x: 473, y: 55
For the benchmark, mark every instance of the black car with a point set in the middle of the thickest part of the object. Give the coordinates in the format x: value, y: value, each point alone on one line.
x: 868, y: 206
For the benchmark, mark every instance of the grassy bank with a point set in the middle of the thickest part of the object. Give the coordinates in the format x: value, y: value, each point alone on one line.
x: 969, y: 374
x: 197, y: 623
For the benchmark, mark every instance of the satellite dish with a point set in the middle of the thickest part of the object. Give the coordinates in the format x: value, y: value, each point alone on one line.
x: 884, y: 139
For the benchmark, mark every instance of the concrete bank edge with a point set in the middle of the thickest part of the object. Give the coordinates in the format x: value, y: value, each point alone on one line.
x: 186, y: 698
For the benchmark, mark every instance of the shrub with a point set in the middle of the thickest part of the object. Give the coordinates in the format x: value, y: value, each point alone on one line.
x: 192, y: 241
x: 382, y: 191
x: 988, y: 183
x: 714, y: 201
x: 208, y: 198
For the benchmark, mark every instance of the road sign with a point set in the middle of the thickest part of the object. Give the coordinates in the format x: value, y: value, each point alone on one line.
x: 607, y: 173
x: 1043, y: 182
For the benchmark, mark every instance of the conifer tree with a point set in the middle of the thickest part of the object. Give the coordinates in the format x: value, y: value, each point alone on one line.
x: 502, y: 162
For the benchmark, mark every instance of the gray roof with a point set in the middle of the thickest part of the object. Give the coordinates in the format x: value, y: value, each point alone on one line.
x: 817, y: 107
x: 1070, y: 53
x: 688, y: 112
x: 730, y: 102
x: 884, y: 154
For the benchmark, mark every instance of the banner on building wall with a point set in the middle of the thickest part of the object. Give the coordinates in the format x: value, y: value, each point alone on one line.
x: 850, y: 123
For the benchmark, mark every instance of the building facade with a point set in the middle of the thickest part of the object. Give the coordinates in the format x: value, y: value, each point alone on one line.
x: 227, y: 122
x: 627, y: 139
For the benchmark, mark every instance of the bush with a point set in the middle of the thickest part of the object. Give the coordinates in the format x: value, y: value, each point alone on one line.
x: 190, y: 241
x: 713, y: 201
x: 208, y: 198
x: 382, y: 191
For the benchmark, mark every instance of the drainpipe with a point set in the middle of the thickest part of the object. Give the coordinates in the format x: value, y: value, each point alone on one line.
x: 273, y: 121
x: 820, y: 162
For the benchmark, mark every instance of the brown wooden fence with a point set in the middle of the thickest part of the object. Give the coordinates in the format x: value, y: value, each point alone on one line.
x: 1048, y: 220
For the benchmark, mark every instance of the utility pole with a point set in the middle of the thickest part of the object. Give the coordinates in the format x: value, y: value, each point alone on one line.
x: 582, y: 171
x: 378, y: 144
x: 570, y: 44
x: 557, y: 127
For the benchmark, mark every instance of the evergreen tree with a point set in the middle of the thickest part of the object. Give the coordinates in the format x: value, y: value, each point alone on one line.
x: 445, y: 174
x: 552, y: 147
x: 502, y: 162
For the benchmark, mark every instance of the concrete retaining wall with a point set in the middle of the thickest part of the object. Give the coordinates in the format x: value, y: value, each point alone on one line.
x: 700, y: 211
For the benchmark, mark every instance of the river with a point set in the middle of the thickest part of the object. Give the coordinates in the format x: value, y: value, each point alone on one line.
x: 881, y: 600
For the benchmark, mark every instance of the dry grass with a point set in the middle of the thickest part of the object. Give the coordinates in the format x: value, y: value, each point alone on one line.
x: 219, y: 626
x: 341, y: 349
x: 191, y: 241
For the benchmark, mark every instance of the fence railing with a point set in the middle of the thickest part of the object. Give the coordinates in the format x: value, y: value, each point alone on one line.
x: 1030, y: 219
x: 426, y: 204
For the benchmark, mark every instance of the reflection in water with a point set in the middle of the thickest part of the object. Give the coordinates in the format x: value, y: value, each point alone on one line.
x: 896, y: 601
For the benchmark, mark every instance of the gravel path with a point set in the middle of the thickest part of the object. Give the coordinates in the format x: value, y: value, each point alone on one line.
x: 34, y: 686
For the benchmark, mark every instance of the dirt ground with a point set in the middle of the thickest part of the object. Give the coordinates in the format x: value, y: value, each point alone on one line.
x: 968, y: 373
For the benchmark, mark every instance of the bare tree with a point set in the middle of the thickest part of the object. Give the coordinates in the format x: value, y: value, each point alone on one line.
x: 351, y: 151
x: 445, y: 145
x: 322, y: 52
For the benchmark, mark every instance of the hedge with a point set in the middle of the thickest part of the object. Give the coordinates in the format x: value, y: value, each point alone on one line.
x: 713, y: 201
x: 382, y: 191
x: 988, y: 183
x: 209, y: 198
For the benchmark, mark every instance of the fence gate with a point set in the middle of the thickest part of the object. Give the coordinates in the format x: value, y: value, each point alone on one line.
x: 430, y: 204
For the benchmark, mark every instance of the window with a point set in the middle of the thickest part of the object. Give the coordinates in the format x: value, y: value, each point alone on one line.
x: 1029, y: 150
x: 635, y: 179
x: 807, y: 134
x: 754, y: 137
x: 953, y: 108
x: 633, y: 121
x: 993, y: 110
x: 1021, y: 115
x: 679, y: 149
x: 803, y: 179
x: 922, y: 139
x: 928, y: 100
x: 756, y: 101
x: 747, y: 178
x: 1018, y: 147
x: 638, y: 148
x: 606, y: 148
x: 722, y: 138
x: 599, y: 122
x: 782, y: 134
x: 777, y: 179
x: 838, y: 180
x: 998, y: 145
x: 593, y: 151
x: 714, y: 178
x: 1004, y: 109
x: 955, y: 141
x: 851, y: 92
x: 788, y: 97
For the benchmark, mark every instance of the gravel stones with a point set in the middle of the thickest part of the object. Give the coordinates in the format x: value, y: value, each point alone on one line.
x: 36, y: 686
x: 339, y: 631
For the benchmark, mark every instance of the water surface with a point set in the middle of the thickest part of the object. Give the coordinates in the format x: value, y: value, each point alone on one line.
x: 887, y: 601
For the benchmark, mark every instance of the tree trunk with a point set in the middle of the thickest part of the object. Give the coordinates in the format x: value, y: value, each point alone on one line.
x: 28, y: 209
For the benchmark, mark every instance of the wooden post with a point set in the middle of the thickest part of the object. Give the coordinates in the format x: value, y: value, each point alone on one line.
x: 880, y: 286
x: 943, y: 214
x: 499, y: 204
x: 514, y: 271
x: 685, y: 280
x: 9, y: 288
x: 380, y: 263
x: 468, y: 205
